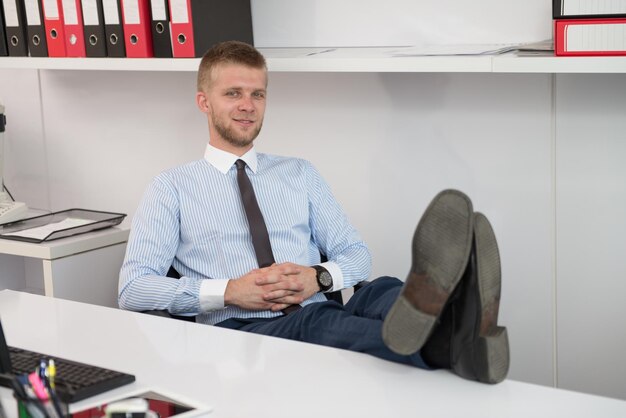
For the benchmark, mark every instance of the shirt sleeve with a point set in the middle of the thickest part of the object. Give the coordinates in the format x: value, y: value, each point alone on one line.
x: 349, y: 260
x: 151, y: 248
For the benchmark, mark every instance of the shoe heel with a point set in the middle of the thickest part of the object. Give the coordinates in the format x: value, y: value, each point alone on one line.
x: 406, y: 329
x: 491, y: 356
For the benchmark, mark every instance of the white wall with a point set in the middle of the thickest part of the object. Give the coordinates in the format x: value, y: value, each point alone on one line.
x: 385, y: 142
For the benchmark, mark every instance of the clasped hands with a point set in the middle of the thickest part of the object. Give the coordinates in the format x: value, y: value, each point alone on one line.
x: 274, y: 287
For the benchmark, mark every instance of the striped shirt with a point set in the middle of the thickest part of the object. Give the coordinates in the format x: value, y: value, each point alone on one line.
x: 192, y: 218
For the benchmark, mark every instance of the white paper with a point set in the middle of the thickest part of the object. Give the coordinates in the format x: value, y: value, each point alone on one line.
x: 10, y: 13
x: 70, y: 14
x: 111, y: 13
x: 179, y: 11
x: 51, y: 9
x: 158, y: 10
x: 41, y: 232
x: 131, y: 12
x: 90, y: 12
x: 32, y: 12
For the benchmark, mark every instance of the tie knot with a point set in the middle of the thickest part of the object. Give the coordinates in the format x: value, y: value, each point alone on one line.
x: 241, y: 164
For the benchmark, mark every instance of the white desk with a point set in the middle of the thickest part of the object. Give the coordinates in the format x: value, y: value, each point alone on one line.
x: 83, y: 268
x: 245, y: 375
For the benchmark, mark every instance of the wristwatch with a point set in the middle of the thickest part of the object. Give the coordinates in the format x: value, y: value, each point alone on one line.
x: 324, y: 279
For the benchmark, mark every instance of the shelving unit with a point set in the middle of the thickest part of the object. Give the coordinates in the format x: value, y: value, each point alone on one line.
x: 344, y: 60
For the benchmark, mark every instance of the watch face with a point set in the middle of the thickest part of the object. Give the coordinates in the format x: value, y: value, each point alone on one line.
x: 326, y: 279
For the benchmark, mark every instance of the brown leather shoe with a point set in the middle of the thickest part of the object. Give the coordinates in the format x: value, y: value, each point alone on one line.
x: 479, y: 349
x: 441, y: 247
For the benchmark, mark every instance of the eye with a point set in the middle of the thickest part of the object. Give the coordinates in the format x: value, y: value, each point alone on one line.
x: 232, y: 93
x: 259, y: 94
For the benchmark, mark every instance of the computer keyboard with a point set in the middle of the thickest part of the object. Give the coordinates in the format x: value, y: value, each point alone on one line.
x: 74, y: 381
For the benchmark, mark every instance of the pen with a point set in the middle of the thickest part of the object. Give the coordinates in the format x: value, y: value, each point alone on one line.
x: 52, y: 372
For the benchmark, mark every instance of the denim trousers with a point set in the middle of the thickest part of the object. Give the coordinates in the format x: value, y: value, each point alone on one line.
x: 357, y: 326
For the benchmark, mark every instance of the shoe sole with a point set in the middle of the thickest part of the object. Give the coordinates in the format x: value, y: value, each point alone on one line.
x: 491, y: 348
x: 441, y: 247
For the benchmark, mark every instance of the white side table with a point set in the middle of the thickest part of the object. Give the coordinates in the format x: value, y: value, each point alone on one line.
x: 83, y: 268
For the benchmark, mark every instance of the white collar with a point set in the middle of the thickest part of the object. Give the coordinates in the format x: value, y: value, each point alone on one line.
x: 223, y: 160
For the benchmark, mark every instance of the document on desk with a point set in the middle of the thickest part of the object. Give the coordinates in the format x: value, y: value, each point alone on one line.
x: 41, y: 232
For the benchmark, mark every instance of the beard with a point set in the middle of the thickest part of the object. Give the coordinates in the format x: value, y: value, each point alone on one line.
x: 233, y: 138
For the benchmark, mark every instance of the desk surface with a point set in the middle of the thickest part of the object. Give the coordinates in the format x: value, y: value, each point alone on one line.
x: 245, y: 375
x: 66, y: 246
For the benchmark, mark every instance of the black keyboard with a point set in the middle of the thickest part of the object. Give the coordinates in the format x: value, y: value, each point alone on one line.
x: 74, y: 381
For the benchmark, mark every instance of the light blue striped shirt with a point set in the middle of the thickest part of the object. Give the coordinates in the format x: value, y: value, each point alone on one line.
x: 192, y: 218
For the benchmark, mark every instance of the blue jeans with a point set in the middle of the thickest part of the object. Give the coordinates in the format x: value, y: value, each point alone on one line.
x: 357, y: 326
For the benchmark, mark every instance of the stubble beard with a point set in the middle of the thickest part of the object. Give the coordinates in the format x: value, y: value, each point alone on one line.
x: 229, y: 135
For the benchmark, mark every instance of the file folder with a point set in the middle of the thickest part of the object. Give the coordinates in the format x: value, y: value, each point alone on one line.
x: 93, y: 28
x: 577, y: 9
x: 590, y: 37
x: 197, y: 25
x: 55, y: 29
x: 35, y: 30
x: 15, y: 25
x: 3, y: 37
x: 137, y: 34
x: 161, y: 39
x: 73, y: 25
x: 113, y: 28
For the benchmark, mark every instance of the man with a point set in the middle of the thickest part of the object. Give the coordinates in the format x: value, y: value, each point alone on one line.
x: 245, y: 232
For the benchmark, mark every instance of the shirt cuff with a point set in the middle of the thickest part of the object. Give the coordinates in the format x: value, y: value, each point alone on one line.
x: 211, y: 295
x: 335, y: 273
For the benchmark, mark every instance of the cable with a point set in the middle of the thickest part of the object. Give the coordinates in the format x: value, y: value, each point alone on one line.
x: 8, y: 192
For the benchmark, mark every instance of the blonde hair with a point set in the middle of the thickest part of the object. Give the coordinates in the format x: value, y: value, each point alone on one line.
x: 229, y: 52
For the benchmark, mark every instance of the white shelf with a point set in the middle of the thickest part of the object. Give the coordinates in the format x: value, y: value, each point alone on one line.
x: 376, y: 60
x: 66, y: 246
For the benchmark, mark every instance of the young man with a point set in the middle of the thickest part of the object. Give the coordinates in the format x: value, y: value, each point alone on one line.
x: 245, y: 232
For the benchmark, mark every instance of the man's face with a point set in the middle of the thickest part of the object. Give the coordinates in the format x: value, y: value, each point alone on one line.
x: 235, y: 105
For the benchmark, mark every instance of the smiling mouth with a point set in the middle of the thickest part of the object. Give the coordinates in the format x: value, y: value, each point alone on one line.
x: 244, y: 121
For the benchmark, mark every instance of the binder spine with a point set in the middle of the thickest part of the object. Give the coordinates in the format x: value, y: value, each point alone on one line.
x: 73, y: 25
x: 54, y: 27
x: 15, y: 24
x: 590, y: 37
x: 93, y: 20
x: 35, y: 31
x: 113, y: 29
x: 161, y: 38
x: 4, y: 51
x: 137, y: 34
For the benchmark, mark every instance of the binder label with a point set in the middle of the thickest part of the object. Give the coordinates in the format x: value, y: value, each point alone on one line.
x: 32, y: 12
x: 158, y: 10
x: 70, y: 14
x: 51, y: 9
x: 10, y: 13
x: 596, y: 37
x: 90, y: 13
x: 179, y: 11
x: 592, y: 7
x: 111, y: 12
x: 131, y: 12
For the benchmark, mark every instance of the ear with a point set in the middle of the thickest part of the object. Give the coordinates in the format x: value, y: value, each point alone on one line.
x: 202, y: 102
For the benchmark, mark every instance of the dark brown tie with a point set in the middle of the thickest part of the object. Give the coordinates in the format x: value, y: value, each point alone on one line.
x: 258, y: 229
x: 256, y: 223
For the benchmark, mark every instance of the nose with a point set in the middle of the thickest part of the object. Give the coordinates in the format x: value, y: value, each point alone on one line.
x: 246, y: 104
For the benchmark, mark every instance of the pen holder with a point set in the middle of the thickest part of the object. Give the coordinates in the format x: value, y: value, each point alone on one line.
x: 35, y: 409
